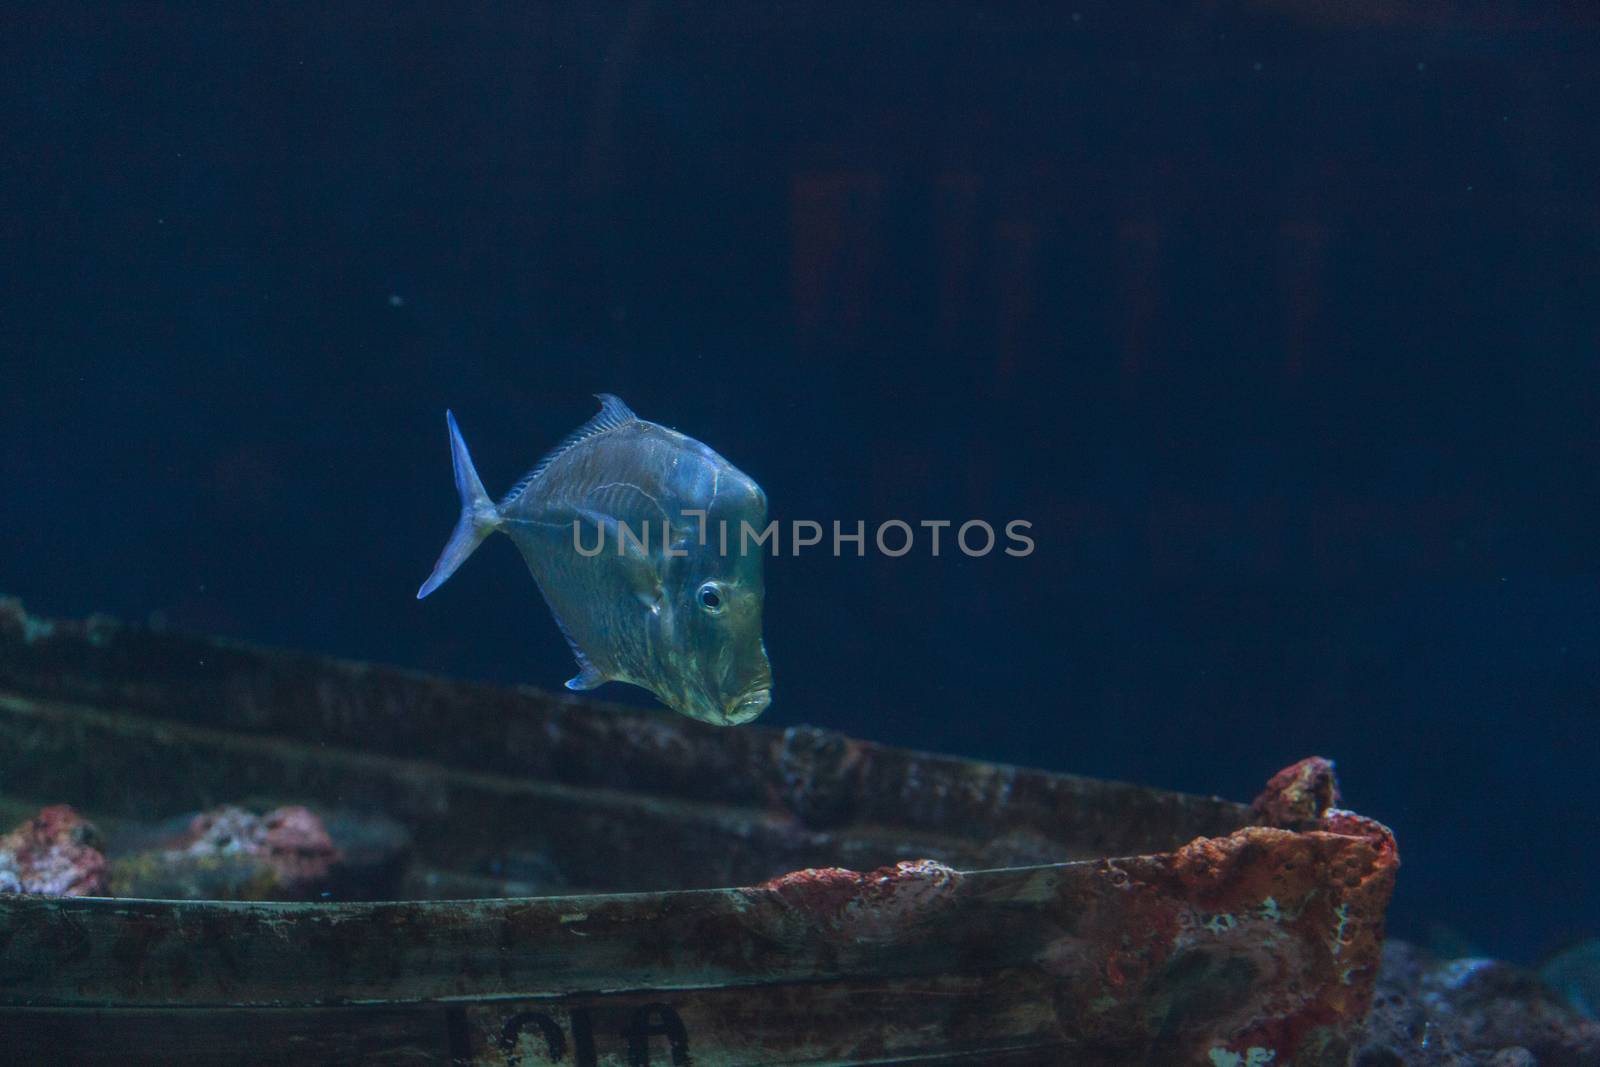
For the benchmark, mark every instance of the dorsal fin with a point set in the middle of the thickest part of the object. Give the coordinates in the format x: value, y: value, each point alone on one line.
x: 613, y: 413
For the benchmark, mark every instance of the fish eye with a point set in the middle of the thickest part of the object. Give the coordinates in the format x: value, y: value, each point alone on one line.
x: 711, y: 598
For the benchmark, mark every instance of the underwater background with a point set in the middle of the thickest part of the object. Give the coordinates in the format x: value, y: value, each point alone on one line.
x: 1280, y: 322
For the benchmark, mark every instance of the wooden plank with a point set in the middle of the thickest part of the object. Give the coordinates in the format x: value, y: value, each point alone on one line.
x: 1092, y: 925
x: 112, y: 952
x: 184, y: 1038
x: 1000, y: 1018
x: 820, y: 779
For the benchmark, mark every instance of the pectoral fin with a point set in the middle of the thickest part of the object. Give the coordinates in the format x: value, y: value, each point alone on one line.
x: 648, y: 589
x: 639, y: 571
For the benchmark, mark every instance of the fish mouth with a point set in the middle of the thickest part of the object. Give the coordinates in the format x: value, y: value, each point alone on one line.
x: 748, y: 706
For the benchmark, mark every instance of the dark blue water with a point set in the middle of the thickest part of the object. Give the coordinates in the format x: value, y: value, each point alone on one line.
x: 1282, y: 329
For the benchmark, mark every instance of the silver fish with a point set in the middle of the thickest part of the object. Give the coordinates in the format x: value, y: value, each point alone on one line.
x: 667, y: 603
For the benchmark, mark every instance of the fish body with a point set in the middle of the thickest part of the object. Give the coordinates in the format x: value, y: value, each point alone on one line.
x: 619, y: 526
x: 1575, y: 974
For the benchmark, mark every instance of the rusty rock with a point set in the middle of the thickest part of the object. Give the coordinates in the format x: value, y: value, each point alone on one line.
x: 1349, y: 824
x: 1267, y: 940
x: 55, y: 853
x: 1297, y: 796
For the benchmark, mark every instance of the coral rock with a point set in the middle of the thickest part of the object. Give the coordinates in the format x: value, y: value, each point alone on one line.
x: 291, y: 840
x: 56, y: 853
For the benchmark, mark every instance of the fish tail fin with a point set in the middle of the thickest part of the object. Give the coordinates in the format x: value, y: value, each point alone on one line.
x: 479, y: 516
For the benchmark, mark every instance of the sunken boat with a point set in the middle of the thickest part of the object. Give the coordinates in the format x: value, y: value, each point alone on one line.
x: 512, y: 877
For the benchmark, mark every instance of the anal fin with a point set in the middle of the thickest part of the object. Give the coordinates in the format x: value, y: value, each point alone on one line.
x: 586, y: 678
